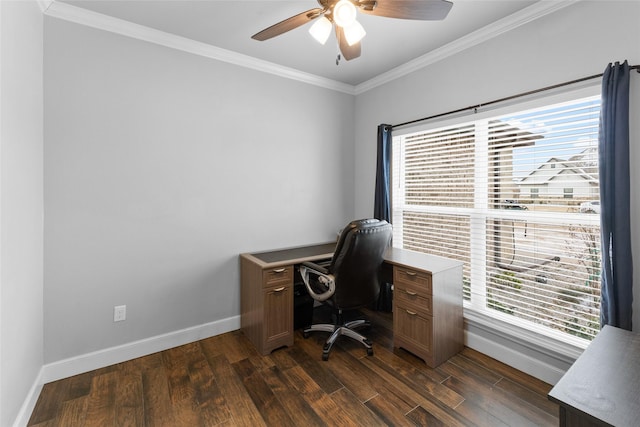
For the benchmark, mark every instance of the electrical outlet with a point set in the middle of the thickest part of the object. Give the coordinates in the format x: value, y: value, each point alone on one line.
x: 119, y: 313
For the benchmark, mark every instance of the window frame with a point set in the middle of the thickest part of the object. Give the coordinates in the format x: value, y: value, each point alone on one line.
x: 509, y: 325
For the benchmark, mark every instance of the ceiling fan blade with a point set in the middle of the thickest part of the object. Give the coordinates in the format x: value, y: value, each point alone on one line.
x: 422, y: 10
x: 348, y: 52
x: 288, y: 24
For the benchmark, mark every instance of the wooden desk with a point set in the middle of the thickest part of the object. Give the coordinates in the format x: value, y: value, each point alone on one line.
x: 602, y: 387
x: 427, y: 299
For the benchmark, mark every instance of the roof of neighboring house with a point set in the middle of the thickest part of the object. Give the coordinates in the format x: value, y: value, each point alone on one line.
x: 545, y: 173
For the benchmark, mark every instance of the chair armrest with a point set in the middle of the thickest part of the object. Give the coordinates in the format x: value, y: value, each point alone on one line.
x: 315, y: 267
x: 325, y: 281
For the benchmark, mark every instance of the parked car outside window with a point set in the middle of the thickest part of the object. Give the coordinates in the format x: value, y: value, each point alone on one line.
x: 592, y: 206
x: 513, y: 204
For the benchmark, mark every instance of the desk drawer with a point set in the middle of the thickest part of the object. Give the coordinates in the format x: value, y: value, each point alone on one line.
x: 414, y: 295
x: 418, y: 279
x: 272, y: 276
x: 413, y: 330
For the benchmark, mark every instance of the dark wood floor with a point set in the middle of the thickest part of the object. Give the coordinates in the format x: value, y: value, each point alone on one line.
x: 223, y: 381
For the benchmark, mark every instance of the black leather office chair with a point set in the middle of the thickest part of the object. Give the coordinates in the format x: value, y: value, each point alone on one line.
x: 351, y: 280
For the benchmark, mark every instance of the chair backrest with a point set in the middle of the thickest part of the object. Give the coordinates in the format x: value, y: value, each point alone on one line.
x: 356, y: 262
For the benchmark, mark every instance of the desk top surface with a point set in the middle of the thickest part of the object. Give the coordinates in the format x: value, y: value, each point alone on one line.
x: 395, y: 256
x: 604, y: 383
x: 299, y: 254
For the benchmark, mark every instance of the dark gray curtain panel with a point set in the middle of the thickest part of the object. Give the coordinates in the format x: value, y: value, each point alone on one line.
x: 617, y: 267
x: 382, y: 202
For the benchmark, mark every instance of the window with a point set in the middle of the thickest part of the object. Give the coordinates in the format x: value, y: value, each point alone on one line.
x: 568, y: 193
x: 506, y: 194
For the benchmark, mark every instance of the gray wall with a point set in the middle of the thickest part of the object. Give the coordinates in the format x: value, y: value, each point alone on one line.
x: 160, y: 167
x: 577, y: 41
x: 21, y: 330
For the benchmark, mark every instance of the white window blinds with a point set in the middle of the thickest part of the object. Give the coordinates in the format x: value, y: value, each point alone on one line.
x: 515, y: 197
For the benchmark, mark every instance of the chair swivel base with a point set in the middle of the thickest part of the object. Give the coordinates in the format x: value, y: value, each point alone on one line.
x: 346, y: 329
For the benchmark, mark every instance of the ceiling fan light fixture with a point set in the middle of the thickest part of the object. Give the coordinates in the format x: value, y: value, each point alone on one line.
x: 354, y: 33
x: 344, y: 13
x: 321, y: 30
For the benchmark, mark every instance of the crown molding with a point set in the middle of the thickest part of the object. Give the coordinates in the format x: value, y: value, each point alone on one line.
x: 100, y: 21
x: 44, y: 4
x: 506, y: 24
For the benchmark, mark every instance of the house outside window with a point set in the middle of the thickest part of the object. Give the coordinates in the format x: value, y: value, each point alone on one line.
x: 493, y: 193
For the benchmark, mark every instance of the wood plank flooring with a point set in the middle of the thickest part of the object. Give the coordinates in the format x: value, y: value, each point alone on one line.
x: 223, y: 381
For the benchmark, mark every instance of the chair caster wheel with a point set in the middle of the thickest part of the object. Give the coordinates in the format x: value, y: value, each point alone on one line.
x: 325, y: 356
x: 305, y: 334
x: 369, y: 352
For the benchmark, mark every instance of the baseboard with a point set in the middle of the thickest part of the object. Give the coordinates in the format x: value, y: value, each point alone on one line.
x: 522, y: 354
x: 30, y: 401
x: 547, y: 373
x: 109, y: 356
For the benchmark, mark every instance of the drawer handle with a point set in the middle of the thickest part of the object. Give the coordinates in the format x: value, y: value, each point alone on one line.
x: 413, y: 294
x: 279, y: 270
x: 280, y: 289
x: 411, y: 273
x: 412, y: 313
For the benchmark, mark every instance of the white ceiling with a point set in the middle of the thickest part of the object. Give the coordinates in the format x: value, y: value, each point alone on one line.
x: 389, y: 43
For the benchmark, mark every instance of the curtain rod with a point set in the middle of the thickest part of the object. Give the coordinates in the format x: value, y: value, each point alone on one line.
x: 508, y: 98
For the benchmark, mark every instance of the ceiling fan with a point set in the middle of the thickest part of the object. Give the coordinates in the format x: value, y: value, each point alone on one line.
x: 348, y: 30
